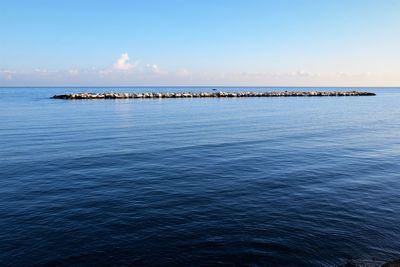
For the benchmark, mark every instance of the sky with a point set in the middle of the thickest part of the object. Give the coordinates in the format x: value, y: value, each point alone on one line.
x: 200, y: 42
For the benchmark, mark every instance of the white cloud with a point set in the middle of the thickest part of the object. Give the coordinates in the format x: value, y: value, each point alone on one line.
x: 125, y: 72
x: 123, y: 64
x: 183, y: 73
x: 73, y: 72
x: 46, y: 71
x: 6, y: 74
x: 154, y: 69
x: 343, y: 74
x: 303, y: 73
x: 40, y: 70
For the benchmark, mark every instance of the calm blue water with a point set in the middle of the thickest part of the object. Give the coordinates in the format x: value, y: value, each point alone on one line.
x: 198, y: 182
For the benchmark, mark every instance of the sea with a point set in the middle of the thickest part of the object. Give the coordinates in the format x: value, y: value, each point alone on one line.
x: 282, y: 181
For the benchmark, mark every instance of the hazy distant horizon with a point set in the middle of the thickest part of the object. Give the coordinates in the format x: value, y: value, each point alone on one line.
x: 198, y: 86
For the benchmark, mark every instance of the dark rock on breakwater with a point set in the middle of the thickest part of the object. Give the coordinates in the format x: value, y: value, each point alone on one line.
x: 207, y: 94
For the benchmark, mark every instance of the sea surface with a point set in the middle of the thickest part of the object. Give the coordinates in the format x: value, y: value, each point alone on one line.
x: 298, y: 181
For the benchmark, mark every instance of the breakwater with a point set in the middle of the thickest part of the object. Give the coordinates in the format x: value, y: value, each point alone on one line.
x: 158, y: 95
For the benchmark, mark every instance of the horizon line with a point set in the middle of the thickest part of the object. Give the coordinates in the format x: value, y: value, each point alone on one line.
x: 174, y: 86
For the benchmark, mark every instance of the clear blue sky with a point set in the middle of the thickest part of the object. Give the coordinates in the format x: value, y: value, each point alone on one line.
x: 203, y: 42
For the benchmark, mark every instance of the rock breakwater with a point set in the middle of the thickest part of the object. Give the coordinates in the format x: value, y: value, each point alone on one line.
x: 208, y: 94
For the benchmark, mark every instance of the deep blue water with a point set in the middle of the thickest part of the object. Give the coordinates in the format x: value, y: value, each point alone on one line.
x: 198, y: 182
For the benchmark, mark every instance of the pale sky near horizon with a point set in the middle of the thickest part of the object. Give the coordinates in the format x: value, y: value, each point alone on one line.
x: 203, y: 42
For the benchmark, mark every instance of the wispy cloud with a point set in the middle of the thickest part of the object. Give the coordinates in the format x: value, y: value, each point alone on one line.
x: 73, y: 72
x: 183, y: 73
x: 154, y: 69
x: 123, y: 72
x: 122, y: 64
x: 7, y: 74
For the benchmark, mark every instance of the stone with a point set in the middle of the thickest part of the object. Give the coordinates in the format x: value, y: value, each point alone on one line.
x: 208, y: 94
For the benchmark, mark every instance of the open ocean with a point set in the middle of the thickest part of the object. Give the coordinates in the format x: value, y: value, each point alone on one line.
x: 297, y: 181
